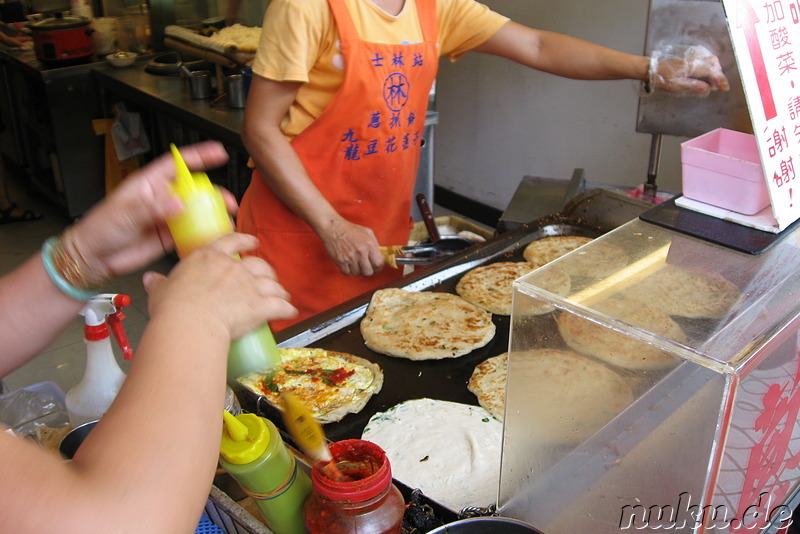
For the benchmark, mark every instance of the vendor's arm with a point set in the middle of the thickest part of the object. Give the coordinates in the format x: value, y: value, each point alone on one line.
x: 149, y: 464
x: 13, y: 42
x: 351, y: 246
x: 123, y: 233
x: 567, y: 56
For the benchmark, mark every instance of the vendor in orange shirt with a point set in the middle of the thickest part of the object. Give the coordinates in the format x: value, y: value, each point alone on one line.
x: 335, y: 116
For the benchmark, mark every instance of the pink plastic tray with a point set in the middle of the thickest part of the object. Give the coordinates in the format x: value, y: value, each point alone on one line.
x: 723, y: 168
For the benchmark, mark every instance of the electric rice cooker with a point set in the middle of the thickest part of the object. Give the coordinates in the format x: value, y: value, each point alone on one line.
x: 62, y: 38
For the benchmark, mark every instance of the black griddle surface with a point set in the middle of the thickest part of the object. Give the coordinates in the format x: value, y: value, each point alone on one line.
x: 404, y: 379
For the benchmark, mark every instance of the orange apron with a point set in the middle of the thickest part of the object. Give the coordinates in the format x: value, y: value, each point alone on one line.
x: 362, y: 153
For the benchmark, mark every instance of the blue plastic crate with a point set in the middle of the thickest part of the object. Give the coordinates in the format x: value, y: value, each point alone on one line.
x: 207, y: 527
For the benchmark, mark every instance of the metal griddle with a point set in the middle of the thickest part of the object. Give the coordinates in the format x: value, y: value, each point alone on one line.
x: 338, y: 330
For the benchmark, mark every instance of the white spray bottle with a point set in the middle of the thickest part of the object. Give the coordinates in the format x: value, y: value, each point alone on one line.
x: 103, y: 378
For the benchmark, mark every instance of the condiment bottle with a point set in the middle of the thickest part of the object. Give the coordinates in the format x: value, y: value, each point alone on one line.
x: 254, y: 454
x: 203, y: 219
x: 367, y: 502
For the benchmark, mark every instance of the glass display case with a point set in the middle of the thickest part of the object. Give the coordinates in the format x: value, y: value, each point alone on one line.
x: 653, y: 383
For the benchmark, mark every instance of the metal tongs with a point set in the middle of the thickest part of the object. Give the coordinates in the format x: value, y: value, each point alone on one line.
x: 429, y: 250
x: 425, y: 252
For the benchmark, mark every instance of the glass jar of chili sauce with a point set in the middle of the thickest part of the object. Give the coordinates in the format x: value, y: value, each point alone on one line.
x: 364, y: 499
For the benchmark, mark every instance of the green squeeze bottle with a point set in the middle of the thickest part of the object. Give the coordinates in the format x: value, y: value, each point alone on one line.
x: 254, y: 454
x: 203, y: 219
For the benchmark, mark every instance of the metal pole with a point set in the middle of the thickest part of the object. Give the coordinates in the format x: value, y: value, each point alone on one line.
x: 650, y: 188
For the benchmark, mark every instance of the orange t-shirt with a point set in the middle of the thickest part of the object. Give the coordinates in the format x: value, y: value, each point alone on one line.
x: 300, y: 43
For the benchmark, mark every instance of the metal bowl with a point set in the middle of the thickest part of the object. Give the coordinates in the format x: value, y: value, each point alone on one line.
x: 121, y: 59
x: 70, y: 443
x: 482, y: 525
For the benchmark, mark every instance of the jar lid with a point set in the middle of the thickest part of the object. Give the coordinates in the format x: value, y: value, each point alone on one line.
x: 60, y: 23
x: 362, y: 461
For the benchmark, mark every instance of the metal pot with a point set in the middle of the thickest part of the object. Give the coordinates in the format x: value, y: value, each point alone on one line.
x: 62, y: 38
x: 482, y: 525
x: 70, y: 443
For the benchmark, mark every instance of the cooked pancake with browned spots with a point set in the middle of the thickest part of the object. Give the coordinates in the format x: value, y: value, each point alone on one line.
x: 547, y: 249
x: 424, y: 325
x: 490, y: 286
x: 607, y: 344
x: 686, y: 293
x: 569, y: 397
x: 331, y: 384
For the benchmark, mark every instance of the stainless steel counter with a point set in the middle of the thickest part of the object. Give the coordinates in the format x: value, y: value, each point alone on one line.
x: 171, y: 115
x: 48, y: 112
x: 169, y: 95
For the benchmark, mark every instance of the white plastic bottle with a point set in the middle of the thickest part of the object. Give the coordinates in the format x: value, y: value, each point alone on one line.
x: 103, y: 378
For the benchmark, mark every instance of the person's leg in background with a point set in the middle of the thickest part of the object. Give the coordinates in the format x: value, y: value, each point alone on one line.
x: 9, y: 211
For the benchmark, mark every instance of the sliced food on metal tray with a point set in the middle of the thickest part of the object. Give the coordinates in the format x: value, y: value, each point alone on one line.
x: 243, y: 38
x: 570, y: 396
x: 450, y: 451
x: 424, y: 325
x: 331, y: 384
x: 607, y: 344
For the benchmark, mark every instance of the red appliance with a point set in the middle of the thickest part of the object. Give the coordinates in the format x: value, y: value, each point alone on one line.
x: 62, y: 38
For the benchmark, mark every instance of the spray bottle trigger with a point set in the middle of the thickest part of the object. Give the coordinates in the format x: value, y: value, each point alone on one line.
x: 114, y: 321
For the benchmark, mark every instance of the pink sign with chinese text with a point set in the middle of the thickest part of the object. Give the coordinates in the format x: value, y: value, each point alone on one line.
x: 766, y: 41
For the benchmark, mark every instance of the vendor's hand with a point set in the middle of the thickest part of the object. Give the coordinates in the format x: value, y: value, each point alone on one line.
x: 353, y: 248
x: 15, y: 42
x: 210, y: 285
x: 127, y: 231
x: 695, y: 72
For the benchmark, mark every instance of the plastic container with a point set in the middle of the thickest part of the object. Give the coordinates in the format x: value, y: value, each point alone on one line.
x: 368, y: 503
x: 203, y: 219
x: 104, y: 36
x: 90, y: 398
x: 723, y: 168
x: 700, y: 432
x: 253, y: 453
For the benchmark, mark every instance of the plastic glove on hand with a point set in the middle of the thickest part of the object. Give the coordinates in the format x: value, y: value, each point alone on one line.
x: 696, y: 72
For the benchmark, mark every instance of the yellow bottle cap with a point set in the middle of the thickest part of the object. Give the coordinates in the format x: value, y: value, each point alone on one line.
x: 186, y: 182
x: 204, y: 216
x: 245, y: 437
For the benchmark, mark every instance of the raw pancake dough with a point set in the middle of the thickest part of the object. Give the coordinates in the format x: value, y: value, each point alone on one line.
x: 448, y: 450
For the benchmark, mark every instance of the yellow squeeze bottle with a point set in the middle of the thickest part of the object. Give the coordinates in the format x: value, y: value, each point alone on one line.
x: 203, y: 219
x: 253, y: 453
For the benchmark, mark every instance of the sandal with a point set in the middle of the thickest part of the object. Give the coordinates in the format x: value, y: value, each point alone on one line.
x: 6, y: 215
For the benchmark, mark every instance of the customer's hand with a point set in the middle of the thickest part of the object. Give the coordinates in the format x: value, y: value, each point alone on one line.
x: 210, y: 285
x: 127, y: 231
x: 692, y: 72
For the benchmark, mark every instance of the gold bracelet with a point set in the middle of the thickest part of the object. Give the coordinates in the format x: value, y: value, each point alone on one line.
x: 76, y: 271
x: 98, y: 278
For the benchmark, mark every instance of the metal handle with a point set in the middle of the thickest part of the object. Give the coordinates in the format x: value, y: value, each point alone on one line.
x: 427, y: 217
